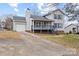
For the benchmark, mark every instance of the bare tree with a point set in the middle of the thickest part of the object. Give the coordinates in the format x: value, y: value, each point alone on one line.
x: 46, y: 7
x: 8, y: 23
x: 70, y: 10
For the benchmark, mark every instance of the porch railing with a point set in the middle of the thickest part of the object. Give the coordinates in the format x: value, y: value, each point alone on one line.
x: 43, y: 27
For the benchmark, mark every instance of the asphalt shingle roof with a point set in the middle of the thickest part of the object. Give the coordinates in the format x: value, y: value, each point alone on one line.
x: 19, y: 18
x: 40, y: 18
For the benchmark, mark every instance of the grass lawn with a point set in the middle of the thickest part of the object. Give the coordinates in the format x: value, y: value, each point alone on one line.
x: 9, y: 35
x: 70, y: 40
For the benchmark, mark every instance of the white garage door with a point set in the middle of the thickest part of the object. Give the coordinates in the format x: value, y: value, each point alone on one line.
x: 20, y: 27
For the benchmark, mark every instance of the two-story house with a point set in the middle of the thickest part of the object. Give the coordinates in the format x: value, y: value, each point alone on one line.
x: 52, y: 21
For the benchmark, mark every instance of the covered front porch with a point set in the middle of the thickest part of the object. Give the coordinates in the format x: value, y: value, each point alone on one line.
x: 41, y: 26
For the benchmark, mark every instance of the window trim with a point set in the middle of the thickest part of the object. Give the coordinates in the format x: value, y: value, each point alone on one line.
x: 57, y: 16
x: 58, y: 25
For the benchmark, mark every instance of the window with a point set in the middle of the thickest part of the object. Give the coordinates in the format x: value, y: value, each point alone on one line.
x: 56, y: 16
x: 55, y: 25
x: 74, y: 30
x: 58, y: 25
x: 59, y: 16
x: 37, y: 24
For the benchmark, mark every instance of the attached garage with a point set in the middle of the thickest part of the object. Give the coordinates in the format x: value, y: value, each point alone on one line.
x: 19, y: 23
x: 20, y: 27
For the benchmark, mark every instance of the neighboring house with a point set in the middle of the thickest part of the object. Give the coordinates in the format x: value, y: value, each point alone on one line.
x: 72, y: 28
x: 1, y: 26
x: 52, y: 21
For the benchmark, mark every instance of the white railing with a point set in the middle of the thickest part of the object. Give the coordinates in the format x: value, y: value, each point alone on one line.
x: 43, y: 27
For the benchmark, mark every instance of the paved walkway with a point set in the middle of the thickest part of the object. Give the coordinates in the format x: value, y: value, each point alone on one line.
x: 33, y: 45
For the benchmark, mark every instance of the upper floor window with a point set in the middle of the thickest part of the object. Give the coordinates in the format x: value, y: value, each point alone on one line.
x: 56, y: 16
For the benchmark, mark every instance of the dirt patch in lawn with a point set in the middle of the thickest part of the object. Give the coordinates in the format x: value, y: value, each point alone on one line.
x: 10, y: 35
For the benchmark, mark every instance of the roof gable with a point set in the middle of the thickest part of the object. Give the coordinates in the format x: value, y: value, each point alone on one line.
x: 70, y: 25
x: 54, y: 11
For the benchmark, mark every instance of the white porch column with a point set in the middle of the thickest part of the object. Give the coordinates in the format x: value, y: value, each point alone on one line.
x: 41, y: 27
x: 33, y: 26
x: 50, y: 25
x: 42, y: 24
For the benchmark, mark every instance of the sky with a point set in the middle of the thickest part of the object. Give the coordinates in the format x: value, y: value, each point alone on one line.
x: 19, y: 8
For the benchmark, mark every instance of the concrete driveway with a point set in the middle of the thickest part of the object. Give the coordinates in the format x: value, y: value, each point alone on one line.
x: 33, y: 45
